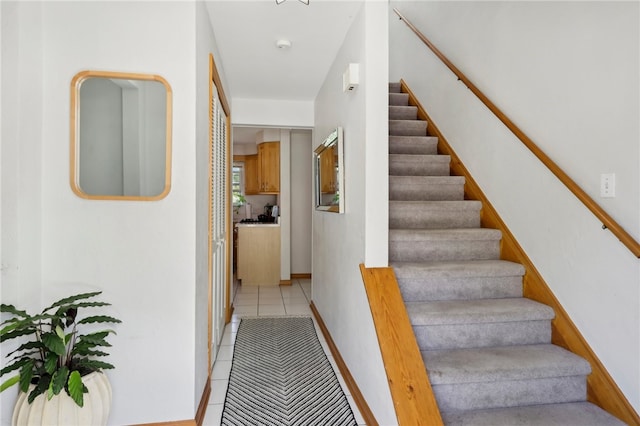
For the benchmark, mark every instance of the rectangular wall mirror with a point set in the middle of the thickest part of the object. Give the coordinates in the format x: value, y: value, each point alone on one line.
x: 120, y: 136
x: 329, y: 173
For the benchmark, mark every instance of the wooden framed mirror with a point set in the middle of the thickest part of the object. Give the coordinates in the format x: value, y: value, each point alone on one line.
x: 120, y: 136
x: 329, y: 173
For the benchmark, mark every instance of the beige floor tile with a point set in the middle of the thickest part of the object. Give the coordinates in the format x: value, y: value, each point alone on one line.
x: 221, y: 370
x: 213, y: 415
x: 245, y: 310
x: 225, y: 353
x: 271, y: 310
x: 218, y: 391
x: 300, y: 309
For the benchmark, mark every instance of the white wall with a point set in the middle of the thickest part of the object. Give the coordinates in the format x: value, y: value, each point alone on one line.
x: 141, y: 254
x: 272, y: 112
x: 20, y: 171
x: 340, y: 241
x: 205, y: 45
x: 568, y: 74
x: 301, y: 201
x: 284, y: 203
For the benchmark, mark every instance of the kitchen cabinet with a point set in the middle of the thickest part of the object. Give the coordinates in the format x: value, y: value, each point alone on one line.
x: 269, y: 167
x: 251, y: 180
x: 259, y: 254
x: 328, y: 169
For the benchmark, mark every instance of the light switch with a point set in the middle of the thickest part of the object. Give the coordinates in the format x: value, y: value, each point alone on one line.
x: 608, y: 185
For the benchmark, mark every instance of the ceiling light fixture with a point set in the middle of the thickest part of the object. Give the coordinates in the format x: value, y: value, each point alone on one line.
x: 301, y: 1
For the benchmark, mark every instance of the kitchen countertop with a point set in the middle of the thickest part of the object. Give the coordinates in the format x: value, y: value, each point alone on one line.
x: 254, y: 224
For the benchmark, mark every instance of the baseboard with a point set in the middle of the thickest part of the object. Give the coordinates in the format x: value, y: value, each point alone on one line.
x: 204, y: 401
x: 285, y: 282
x: 365, y: 411
x: 301, y: 276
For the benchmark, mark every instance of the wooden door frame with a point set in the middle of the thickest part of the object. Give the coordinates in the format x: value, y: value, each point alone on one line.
x: 215, y: 81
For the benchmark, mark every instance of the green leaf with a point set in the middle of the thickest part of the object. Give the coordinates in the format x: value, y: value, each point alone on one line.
x: 10, y: 382
x: 10, y: 309
x: 54, y: 343
x: 26, y: 373
x: 93, y: 365
x: 51, y: 362
x: 41, y: 387
x: 58, y: 381
x: 15, y: 333
x: 99, y: 318
x: 87, y: 305
x: 25, y: 346
x: 71, y: 299
x: 15, y: 365
x: 60, y: 333
x: 76, y: 388
x: 96, y: 337
x: 28, y: 323
x: 82, y: 351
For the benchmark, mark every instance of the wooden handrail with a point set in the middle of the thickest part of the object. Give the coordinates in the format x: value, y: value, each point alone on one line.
x: 607, y: 221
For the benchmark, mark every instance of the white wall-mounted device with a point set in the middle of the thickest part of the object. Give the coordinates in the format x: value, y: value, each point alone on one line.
x: 351, y: 78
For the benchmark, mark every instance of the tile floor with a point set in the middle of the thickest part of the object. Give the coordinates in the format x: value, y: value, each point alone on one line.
x: 263, y: 301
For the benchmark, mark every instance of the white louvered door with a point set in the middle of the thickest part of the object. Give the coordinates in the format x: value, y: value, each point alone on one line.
x: 218, y: 151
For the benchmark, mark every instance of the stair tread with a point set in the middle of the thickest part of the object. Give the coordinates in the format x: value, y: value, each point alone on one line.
x: 394, y: 87
x: 417, y: 123
x: 572, y: 413
x: 444, y: 234
x: 398, y: 98
x: 437, y: 205
x: 427, y: 180
x: 469, y: 268
x: 521, y: 362
x: 415, y: 138
x: 404, y: 107
x: 481, y: 311
x: 419, y: 158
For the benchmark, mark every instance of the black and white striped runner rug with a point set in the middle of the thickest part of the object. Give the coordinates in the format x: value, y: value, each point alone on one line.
x: 281, y: 376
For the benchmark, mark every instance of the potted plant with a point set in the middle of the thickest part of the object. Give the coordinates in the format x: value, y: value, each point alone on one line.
x: 53, y: 355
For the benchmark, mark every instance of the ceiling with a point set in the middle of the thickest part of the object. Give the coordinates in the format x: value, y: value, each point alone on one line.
x: 246, y: 32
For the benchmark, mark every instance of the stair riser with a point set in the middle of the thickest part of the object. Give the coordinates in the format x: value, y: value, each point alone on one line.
x: 482, y: 335
x: 404, y: 192
x: 416, y: 218
x: 417, y: 145
x: 423, y: 289
x: 477, y: 396
x: 430, y: 251
x: 401, y: 168
x: 401, y: 99
x: 407, y: 128
x: 403, y: 113
x: 394, y: 87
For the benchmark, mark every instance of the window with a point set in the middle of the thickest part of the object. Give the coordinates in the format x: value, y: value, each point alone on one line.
x: 237, y: 184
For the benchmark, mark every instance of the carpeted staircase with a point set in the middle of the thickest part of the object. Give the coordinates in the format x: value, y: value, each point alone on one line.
x: 487, y: 349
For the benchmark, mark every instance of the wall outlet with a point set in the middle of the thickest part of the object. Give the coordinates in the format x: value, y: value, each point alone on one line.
x: 608, y: 185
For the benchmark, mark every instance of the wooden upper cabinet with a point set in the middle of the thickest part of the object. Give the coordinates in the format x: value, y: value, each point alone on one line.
x: 251, y: 181
x: 269, y: 167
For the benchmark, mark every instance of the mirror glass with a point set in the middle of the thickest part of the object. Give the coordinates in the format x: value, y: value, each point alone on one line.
x: 120, y: 136
x: 329, y: 173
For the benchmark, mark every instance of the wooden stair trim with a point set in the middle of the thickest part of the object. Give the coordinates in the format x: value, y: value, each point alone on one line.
x: 601, y: 388
x: 357, y: 396
x: 411, y: 391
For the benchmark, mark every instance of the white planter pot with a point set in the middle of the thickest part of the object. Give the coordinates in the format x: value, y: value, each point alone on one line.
x: 62, y: 410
